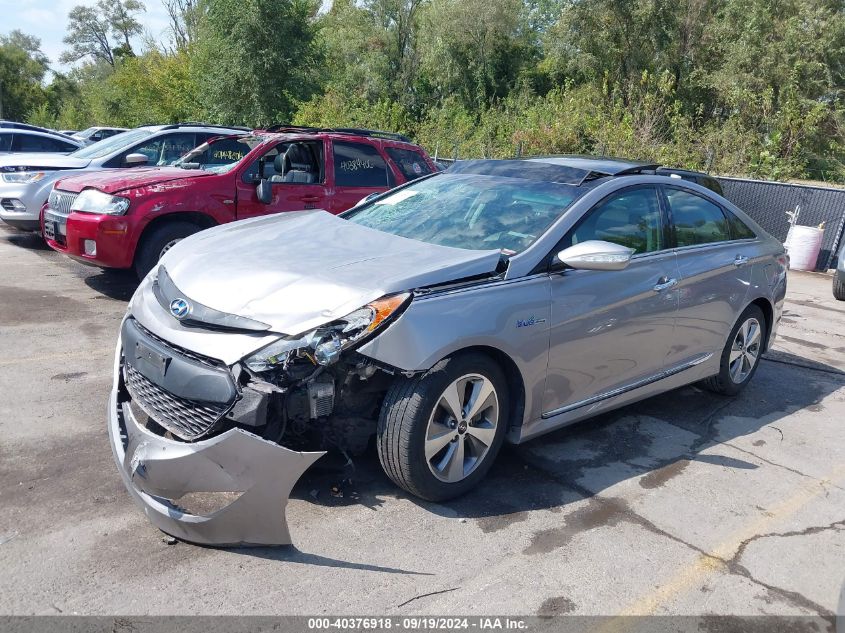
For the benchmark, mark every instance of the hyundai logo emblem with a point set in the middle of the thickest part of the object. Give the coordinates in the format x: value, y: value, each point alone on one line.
x: 179, y: 308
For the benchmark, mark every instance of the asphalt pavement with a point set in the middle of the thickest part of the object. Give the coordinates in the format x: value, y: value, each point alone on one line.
x: 687, y: 503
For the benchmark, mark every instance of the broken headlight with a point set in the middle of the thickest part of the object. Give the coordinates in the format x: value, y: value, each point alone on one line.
x: 323, y: 345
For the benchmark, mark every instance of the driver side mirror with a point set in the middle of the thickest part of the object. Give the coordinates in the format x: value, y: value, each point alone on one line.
x: 596, y: 255
x: 264, y: 191
x: 134, y: 160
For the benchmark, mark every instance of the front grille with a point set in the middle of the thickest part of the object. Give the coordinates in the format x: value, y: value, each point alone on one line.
x: 6, y: 203
x: 205, y: 360
x: 60, y: 202
x: 187, y: 419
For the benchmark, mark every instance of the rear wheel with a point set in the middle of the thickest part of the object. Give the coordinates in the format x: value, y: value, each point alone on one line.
x: 839, y: 286
x: 155, y: 243
x: 741, y: 355
x: 439, y: 433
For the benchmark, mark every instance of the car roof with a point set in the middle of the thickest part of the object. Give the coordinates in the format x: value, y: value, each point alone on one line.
x: 55, y: 135
x: 684, y: 172
x: 566, y: 170
x: 590, y: 168
x: 339, y: 132
x: 604, y: 165
x: 193, y: 125
x: 22, y: 126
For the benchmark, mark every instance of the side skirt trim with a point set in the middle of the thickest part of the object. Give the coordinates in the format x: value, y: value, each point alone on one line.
x: 631, y: 387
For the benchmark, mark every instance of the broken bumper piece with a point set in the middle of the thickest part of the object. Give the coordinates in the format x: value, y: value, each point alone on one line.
x: 158, y: 472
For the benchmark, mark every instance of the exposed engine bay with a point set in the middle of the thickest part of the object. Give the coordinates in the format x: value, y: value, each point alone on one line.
x: 306, y: 406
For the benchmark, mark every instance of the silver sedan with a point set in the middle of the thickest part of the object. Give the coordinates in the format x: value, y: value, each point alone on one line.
x: 491, y: 303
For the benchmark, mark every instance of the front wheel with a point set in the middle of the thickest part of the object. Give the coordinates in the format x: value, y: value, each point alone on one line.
x: 741, y: 355
x: 439, y: 432
x: 158, y: 241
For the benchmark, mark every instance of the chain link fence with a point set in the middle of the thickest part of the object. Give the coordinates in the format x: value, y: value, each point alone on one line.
x: 767, y: 204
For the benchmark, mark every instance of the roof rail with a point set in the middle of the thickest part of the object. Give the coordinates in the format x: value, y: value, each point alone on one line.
x: 373, y: 133
x: 173, y: 126
x: 285, y: 127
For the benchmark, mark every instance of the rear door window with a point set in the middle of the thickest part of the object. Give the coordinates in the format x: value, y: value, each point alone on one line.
x: 6, y: 142
x: 358, y: 165
x: 410, y: 162
x: 697, y: 220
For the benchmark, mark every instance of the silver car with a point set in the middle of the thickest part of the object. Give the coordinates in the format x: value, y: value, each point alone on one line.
x: 491, y: 303
x: 26, y: 179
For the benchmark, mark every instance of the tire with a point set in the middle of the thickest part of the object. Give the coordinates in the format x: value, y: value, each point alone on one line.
x: 157, y: 241
x: 415, y: 416
x: 734, y: 375
x: 839, y: 286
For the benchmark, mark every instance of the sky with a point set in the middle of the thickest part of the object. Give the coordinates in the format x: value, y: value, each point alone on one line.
x: 47, y: 20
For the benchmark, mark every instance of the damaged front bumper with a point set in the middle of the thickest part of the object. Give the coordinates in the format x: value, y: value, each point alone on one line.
x: 158, y: 472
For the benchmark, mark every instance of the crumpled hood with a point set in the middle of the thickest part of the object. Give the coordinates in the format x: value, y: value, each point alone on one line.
x: 296, y: 271
x: 117, y: 180
x: 35, y: 161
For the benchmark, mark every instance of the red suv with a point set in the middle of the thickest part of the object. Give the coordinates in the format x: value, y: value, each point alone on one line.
x: 129, y: 218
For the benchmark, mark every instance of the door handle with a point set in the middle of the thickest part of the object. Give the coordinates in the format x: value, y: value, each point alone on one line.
x: 740, y: 260
x: 663, y: 283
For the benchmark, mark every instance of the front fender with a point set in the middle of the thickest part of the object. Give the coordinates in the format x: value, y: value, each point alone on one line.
x: 509, y: 316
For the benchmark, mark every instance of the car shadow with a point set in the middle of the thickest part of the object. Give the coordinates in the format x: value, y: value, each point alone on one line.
x: 290, y: 554
x: 114, y: 284
x: 653, y: 440
x: 25, y: 239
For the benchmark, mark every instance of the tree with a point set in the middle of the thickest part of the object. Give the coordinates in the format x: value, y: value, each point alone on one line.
x: 473, y: 49
x: 255, y: 59
x: 121, y: 18
x: 184, y: 18
x: 22, y: 69
x: 90, y: 30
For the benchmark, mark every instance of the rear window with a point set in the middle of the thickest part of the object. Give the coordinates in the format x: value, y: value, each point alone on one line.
x: 411, y: 163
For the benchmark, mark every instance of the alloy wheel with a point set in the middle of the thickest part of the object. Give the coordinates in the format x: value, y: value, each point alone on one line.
x: 745, y: 350
x: 461, y: 428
